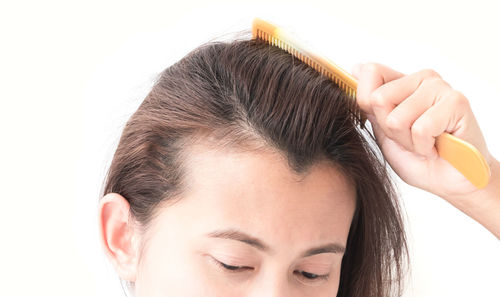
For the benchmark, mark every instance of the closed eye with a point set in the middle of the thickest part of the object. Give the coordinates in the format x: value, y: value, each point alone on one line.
x: 231, y: 268
x: 310, y: 276
x: 303, y: 276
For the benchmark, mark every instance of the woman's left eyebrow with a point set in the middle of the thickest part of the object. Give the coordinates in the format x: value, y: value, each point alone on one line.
x: 260, y: 245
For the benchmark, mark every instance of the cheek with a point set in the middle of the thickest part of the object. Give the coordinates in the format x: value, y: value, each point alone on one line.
x: 167, y: 269
x: 181, y: 275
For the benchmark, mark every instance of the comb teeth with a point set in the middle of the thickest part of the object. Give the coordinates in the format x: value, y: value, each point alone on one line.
x: 306, y: 59
x: 343, y: 85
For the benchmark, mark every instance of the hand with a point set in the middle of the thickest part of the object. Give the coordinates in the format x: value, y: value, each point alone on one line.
x: 407, y: 112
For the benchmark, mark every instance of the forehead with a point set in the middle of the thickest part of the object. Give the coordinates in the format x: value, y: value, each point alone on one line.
x: 257, y: 192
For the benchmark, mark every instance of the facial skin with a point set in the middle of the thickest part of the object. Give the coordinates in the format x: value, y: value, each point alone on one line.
x: 228, y: 193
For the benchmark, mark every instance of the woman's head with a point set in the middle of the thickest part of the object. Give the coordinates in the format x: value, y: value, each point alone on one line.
x: 244, y: 173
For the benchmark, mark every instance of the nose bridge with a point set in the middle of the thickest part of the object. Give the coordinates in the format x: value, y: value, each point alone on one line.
x: 272, y: 283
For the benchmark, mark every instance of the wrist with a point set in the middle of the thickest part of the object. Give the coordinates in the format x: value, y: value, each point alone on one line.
x: 483, y: 205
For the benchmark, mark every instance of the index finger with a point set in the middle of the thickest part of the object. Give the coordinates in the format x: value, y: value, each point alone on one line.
x: 371, y: 76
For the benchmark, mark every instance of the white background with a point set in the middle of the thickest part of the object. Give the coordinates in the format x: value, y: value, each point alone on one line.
x: 71, y: 73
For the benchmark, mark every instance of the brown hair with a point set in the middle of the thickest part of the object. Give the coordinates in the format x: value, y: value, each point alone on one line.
x: 246, y: 91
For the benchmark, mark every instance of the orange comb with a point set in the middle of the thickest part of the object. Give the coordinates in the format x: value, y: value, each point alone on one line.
x: 460, y: 154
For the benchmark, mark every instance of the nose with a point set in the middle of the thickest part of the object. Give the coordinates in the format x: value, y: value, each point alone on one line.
x: 271, y: 284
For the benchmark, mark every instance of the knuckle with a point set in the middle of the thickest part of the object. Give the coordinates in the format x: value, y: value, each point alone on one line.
x: 429, y: 73
x: 418, y: 131
x: 459, y: 99
x: 377, y: 98
x: 432, y: 81
x: 394, y: 123
x: 371, y: 67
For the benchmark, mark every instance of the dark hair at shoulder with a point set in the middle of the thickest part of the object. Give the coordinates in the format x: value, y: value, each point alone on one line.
x: 247, y: 93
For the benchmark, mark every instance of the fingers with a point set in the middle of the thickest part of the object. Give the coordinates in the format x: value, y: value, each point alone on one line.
x: 445, y: 115
x: 410, y: 109
x: 385, y: 98
x: 401, y: 111
x: 371, y: 76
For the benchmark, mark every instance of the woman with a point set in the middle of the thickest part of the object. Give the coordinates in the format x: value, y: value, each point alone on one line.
x: 246, y: 173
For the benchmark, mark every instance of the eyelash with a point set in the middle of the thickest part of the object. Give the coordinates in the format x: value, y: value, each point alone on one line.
x: 230, y: 268
x: 235, y: 269
x: 307, y: 276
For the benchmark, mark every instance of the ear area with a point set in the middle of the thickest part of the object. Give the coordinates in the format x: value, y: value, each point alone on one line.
x: 118, y: 236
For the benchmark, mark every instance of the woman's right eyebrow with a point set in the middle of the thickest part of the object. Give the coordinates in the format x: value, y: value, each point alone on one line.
x: 240, y: 236
x: 260, y: 245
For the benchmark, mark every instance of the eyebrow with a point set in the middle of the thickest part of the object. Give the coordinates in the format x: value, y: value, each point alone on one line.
x: 260, y: 245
